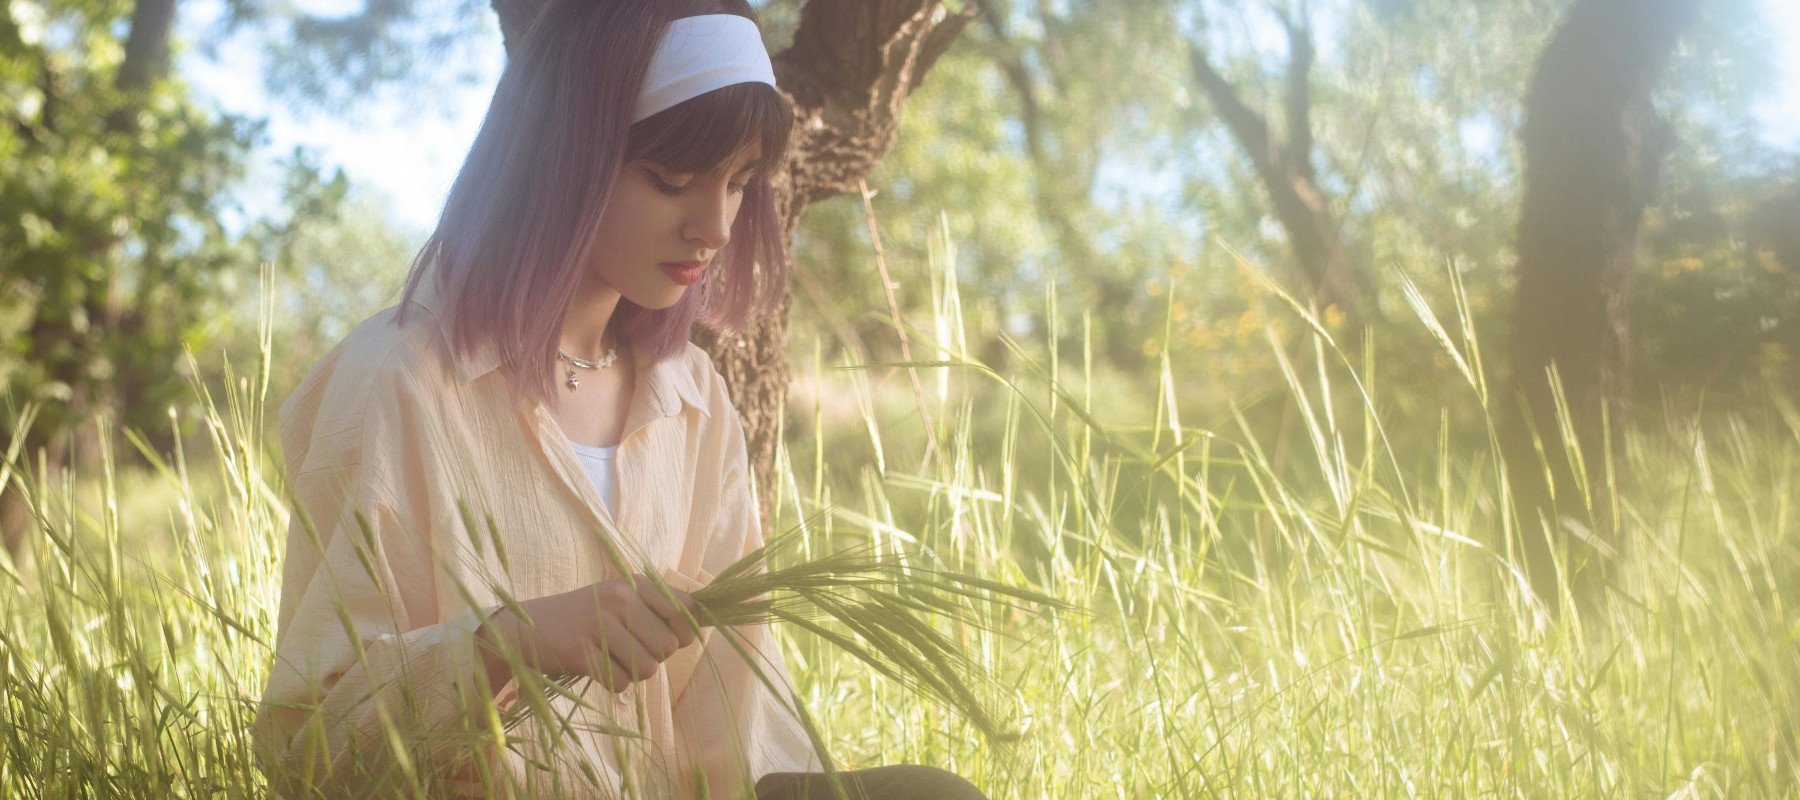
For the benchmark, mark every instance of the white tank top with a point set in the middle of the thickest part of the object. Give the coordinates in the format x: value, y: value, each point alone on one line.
x: 598, y: 461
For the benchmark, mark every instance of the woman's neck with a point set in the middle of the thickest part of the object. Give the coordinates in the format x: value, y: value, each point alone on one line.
x: 584, y: 334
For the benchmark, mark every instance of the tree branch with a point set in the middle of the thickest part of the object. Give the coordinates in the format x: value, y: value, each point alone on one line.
x: 1287, y: 174
x: 1301, y: 55
x: 1248, y: 127
x: 1012, y: 63
x: 943, y: 34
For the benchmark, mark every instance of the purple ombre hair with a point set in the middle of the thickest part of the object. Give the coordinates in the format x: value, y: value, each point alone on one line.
x: 521, y: 218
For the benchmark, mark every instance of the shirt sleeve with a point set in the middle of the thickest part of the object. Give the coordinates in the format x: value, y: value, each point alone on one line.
x: 733, y: 726
x: 371, y: 681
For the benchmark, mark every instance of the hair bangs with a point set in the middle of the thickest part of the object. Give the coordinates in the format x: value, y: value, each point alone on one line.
x: 704, y: 134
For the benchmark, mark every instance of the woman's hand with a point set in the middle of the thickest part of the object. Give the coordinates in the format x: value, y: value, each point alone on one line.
x: 608, y: 631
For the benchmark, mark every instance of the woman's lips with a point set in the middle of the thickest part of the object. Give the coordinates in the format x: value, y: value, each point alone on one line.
x: 685, y: 274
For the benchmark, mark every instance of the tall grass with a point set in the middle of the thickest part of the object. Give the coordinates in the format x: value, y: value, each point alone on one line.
x: 1339, y: 618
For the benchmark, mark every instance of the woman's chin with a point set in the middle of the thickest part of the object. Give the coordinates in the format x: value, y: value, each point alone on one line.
x: 660, y: 300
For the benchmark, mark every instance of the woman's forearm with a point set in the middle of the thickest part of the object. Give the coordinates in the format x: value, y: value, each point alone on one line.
x: 494, y: 638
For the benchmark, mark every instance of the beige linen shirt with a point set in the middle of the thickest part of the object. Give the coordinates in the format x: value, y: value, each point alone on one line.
x: 376, y: 629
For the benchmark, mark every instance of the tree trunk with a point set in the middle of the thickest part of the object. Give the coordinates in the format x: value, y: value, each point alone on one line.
x: 146, y: 59
x: 849, y: 71
x: 1593, y: 145
x: 147, y: 46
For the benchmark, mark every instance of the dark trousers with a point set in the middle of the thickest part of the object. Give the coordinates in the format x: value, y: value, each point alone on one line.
x: 896, y: 782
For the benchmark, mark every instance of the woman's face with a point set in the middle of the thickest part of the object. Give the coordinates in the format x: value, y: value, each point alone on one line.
x: 661, y: 230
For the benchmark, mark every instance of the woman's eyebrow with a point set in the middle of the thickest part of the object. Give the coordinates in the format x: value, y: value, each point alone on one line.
x: 747, y: 170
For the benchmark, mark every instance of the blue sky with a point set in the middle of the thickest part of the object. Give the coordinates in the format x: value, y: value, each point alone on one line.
x: 406, y: 154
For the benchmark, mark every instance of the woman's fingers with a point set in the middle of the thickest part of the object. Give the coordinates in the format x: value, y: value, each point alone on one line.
x: 623, y: 647
x: 652, y: 631
x: 632, y: 628
x: 669, y: 611
x: 609, y: 666
x: 600, y: 663
x: 616, y: 677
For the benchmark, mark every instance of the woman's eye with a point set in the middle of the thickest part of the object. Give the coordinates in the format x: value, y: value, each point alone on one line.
x: 663, y: 185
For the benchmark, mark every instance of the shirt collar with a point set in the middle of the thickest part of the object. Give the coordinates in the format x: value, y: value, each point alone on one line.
x: 669, y: 381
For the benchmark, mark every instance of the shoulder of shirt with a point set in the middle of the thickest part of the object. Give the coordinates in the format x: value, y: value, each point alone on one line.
x: 722, y: 430
x: 377, y: 363
x: 709, y: 381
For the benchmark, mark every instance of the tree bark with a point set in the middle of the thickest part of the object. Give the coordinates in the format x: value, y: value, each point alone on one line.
x: 849, y: 71
x: 1593, y: 146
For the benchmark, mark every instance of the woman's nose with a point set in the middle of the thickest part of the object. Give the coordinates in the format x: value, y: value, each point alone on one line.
x: 709, y: 222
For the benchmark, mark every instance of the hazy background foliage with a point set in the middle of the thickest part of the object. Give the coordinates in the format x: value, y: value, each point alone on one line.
x: 1066, y: 206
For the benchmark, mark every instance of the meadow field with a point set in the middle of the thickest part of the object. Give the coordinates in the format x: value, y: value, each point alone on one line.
x: 1321, y: 609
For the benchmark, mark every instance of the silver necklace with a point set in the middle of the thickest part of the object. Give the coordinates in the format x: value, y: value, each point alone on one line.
x: 603, y: 362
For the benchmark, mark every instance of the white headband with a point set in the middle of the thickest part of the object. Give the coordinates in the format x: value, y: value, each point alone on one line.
x: 700, y: 54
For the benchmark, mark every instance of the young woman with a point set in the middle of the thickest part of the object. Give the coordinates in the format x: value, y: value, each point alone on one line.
x: 536, y: 379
